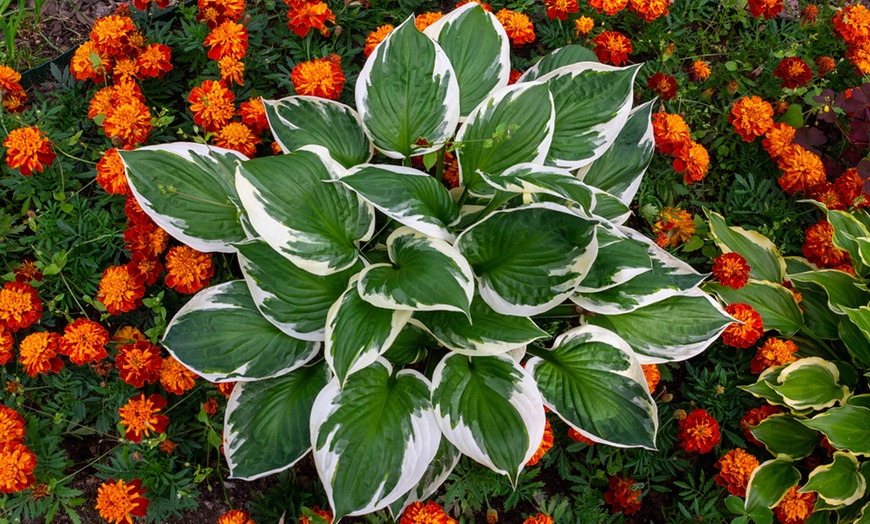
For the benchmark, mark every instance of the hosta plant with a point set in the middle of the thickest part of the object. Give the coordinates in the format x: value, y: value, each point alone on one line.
x: 389, y: 325
x: 824, y: 393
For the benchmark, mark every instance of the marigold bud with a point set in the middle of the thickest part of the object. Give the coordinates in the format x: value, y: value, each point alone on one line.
x: 680, y: 414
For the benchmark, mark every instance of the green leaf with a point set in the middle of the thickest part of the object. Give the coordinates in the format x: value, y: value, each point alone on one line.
x: 760, y: 253
x: 529, y: 259
x: 810, y: 383
x: 783, y: 434
x: 407, y: 90
x: 291, y: 298
x: 317, y: 226
x: 298, y: 121
x: 489, y: 408
x: 521, y: 117
x: 837, y: 483
x: 266, y: 426
x: 860, y: 317
x: 620, y: 259
x: 478, y: 49
x: 374, y: 438
x: 409, y: 196
x: 855, y: 339
x: 840, y: 287
x: 187, y: 189
x: 769, y: 483
x: 568, y: 55
x: 592, y: 103
x: 221, y: 336
x: 846, y: 427
x: 774, y: 302
x: 734, y: 504
x: 592, y: 379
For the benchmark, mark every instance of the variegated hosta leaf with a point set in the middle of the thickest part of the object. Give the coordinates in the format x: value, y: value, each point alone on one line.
x: 357, y: 333
x: 770, y: 482
x: 620, y: 259
x: 851, y: 235
x: 818, y: 317
x: 810, y: 383
x: 620, y: 169
x: 568, y: 55
x: 760, y: 253
x: 407, y: 91
x: 858, y: 326
x: 592, y: 103
x: 408, y: 196
x: 511, y: 126
x: 529, y: 259
x: 486, y: 333
x: 763, y: 386
x: 846, y: 427
x: 775, y: 303
x: 221, y: 336
x: 840, y: 287
x: 316, y: 225
x: 410, y: 346
x: 298, y: 121
x: 677, y: 328
x: 187, y: 189
x: 839, y: 483
x: 783, y: 433
x: 436, y: 473
x: 266, y: 423
x: 592, y: 380
x: 489, y: 408
x: 668, y: 277
x: 373, y: 438
x: 426, y: 274
x: 478, y: 49
x: 291, y: 298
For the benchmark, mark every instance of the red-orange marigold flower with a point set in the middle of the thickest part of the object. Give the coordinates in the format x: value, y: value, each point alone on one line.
x: 824, y: 65
x: 743, y: 335
x: 309, y: 15
x: 111, y: 174
x: 6, y: 343
x: 774, y: 352
x: 212, y: 104
x: 621, y: 495
x: 486, y: 7
x: 676, y: 225
x: 154, y: 61
x: 9, y: 80
x: 20, y: 306
x: 852, y: 23
x: 795, y: 508
x: 700, y: 70
x: 751, y: 117
x: 228, y: 39
x: 540, y: 518
x: 139, y: 363
x: 693, y: 160
x: 670, y: 132
x: 793, y: 71
x: 38, y: 353
x: 777, y: 141
x: 612, y: 47
x: 216, y: 12
x: 113, y: 35
x: 698, y: 432
x: 731, y: 270
x: 766, y: 8
x: 188, y: 270
x: 560, y: 8
x: 429, y: 513
x: 753, y: 417
x: 211, y: 406
x: 226, y: 388
x: 147, y: 238
x: 664, y: 85
x: 576, y: 436
x: 426, y: 19
x: 28, y: 150
x: 650, y: 10
x: 27, y: 272
x: 518, y: 27
x: 128, y: 335
x: 139, y: 416
x: 253, y: 114
x: 819, y: 246
x: 546, y: 444
x: 809, y: 14
x: 325, y: 513
x: 143, y: 4
x: 121, y: 289
x: 175, y: 377
x: 84, y: 341
x: 610, y: 7
x: 12, y: 425
x: 652, y: 375
x: 146, y: 265
x: 735, y: 468
x: 376, y: 37
x: 320, y: 78
x: 238, y: 137
x: 235, y: 516
x: 17, y: 464
x: 118, y: 502
x: 802, y: 170
x: 849, y: 185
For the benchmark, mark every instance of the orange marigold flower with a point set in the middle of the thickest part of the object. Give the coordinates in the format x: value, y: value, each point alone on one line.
x: 795, y: 508
x: 517, y: 26
x: 212, y: 105
x: 576, y: 436
x: 17, y: 464
x: 735, y: 468
x: 83, y: 66
x: 819, y: 246
x: 101, y: 102
x: 582, y: 26
x: 376, y: 37
x: 188, y: 270
x: 700, y: 70
x: 126, y: 69
x: 611, y: 7
x: 801, y: 170
x: 824, y: 65
x: 743, y: 335
x: 139, y: 416
x: 128, y: 335
x: 540, y: 518
x: 211, y: 406
x: 228, y: 39
x: 232, y: 70
x: 175, y: 377
x: 118, y: 502
x: 168, y: 446
x: 309, y: 15
x: 38, y: 353
x: 121, y: 289
x: 677, y: 226
x: 809, y: 14
x: 622, y: 495
x: 20, y: 306
x: 751, y: 117
x: 12, y: 425
x: 652, y: 375
x: 27, y: 272
x: 84, y: 341
x: 28, y: 150
x: 135, y: 215
x: 235, y: 516
x: 650, y: 10
x: 429, y: 513
x: 154, y: 61
x: 698, y: 432
x: 852, y: 23
x: 9, y: 80
x: 130, y: 122
x: 126, y: 91
x: 849, y: 185
x: 670, y: 132
x: 612, y: 47
x: 146, y: 265
x: 774, y: 352
x: 753, y: 417
x: 147, y: 238
x: 226, y: 388
x: 777, y: 140
x: 6, y: 343
x: 546, y: 444
x: 325, y: 513
x: 238, y: 137
x: 253, y: 114
x: 731, y: 270
x: 793, y: 71
x: 560, y: 8
x: 426, y: 19
x: 139, y: 363
x: 827, y: 194
x: 113, y: 35
x: 859, y: 55
x: 693, y: 160
x: 766, y: 8
x: 111, y: 174
x: 320, y: 78
x: 664, y: 85
x: 216, y: 12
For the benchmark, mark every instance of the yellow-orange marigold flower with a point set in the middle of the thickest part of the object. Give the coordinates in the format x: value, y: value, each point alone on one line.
x: 698, y: 432
x: 700, y: 70
x: 429, y: 513
x: 731, y: 270
x: 426, y: 19
x: 540, y: 518
x: 622, y: 495
x: 139, y: 416
x: 128, y: 334
x: 232, y: 70
x: 154, y: 61
x: 175, y: 377
x: 652, y: 375
x: 125, y: 70
x: 582, y: 26
x: 188, y: 270
x: 28, y: 150
x: 546, y: 443
x: 560, y: 8
x: 802, y: 170
x: 650, y: 10
x: 693, y: 160
x: 118, y: 502
x: 777, y: 140
x: 743, y: 335
x: 12, y: 428
x: 84, y: 341
x: 819, y: 246
x: 376, y: 37
x: 751, y: 117
x: 235, y: 516
x: 113, y: 34
x: 795, y: 508
x: 238, y: 137
x: 17, y: 464
x: 735, y: 468
x: 517, y: 26
x: 130, y: 122
x: 774, y: 352
x: 228, y: 39
x: 38, y: 353
x: 326, y: 514
x: 610, y: 7
x: 321, y: 78
x: 212, y: 105
x: 111, y: 174
x: 121, y: 289
x: 20, y: 306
